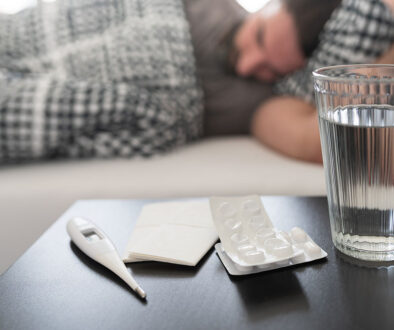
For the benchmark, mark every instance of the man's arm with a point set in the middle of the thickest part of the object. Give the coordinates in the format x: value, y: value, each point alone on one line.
x: 289, y: 125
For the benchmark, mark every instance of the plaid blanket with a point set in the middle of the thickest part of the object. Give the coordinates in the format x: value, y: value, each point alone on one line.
x: 359, y: 31
x: 97, y: 78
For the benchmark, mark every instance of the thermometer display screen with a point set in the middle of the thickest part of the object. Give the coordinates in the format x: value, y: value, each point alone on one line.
x: 91, y: 236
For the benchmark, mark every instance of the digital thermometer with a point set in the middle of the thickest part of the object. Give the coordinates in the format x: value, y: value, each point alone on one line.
x: 92, y: 241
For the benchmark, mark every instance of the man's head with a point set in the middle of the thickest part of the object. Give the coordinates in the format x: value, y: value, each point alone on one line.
x: 266, y: 45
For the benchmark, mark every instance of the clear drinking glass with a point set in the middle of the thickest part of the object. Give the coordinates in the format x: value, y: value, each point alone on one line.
x: 356, y: 121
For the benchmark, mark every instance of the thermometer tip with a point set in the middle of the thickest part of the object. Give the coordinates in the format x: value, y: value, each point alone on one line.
x: 141, y: 292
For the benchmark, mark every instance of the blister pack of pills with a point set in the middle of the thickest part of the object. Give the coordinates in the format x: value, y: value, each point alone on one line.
x: 251, y: 244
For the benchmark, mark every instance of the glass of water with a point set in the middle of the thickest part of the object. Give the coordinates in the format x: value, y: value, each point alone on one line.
x: 356, y: 121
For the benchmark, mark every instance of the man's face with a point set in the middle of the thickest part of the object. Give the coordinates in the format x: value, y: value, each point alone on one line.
x: 266, y: 45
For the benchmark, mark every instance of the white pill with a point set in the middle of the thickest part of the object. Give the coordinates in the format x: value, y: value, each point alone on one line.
x: 283, y: 235
x: 254, y: 257
x: 251, y: 206
x: 227, y: 210
x: 239, y: 239
x: 254, y: 224
x: 257, y: 221
x: 263, y: 234
x: 298, y: 235
x: 278, y: 247
x: 245, y: 248
x: 242, y: 250
x: 312, y: 249
x: 233, y: 224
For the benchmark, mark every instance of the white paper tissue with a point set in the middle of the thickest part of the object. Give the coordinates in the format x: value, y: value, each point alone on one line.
x: 173, y: 232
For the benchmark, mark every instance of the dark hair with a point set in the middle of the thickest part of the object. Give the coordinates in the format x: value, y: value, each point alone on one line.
x: 310, y: 16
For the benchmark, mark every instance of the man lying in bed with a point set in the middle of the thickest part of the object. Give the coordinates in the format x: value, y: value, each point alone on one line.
x: 116, y: 78
x: 359, y: 31
x: 287, y: 35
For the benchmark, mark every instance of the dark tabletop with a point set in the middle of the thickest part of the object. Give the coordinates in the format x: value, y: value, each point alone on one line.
x: 54, y: 286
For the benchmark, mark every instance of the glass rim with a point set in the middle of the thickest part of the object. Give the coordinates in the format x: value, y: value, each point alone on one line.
x: 319, y: 73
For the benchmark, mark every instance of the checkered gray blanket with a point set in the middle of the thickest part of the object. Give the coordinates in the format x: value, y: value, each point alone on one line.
x: 357, y: 32
x: 97, y: 78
